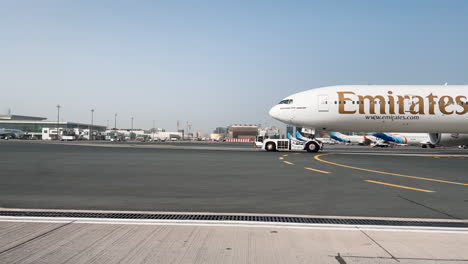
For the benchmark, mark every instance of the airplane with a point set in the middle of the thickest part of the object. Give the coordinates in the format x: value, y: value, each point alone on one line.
x: 439, y: 110
x: 11, y: 133
x: 421, y: 139
x: 329, y: 141
x: 360, y: 140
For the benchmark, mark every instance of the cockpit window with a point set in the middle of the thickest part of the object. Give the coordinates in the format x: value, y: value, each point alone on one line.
x: 286, y: 101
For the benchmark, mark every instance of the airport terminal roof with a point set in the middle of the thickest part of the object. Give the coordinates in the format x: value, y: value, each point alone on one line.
x: 21, y: 117
x: 37, y: 125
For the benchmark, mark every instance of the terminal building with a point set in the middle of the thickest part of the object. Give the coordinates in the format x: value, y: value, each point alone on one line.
x: 219, y: 133
x: 220, y: 130
x: 33, y: 125
x: 235, y: 132
x: 249, y: 132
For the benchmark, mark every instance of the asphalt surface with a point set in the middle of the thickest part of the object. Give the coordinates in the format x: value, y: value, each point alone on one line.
x: 235, y: 178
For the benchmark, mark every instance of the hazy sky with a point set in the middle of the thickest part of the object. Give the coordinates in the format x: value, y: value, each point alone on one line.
x: 216, y: 63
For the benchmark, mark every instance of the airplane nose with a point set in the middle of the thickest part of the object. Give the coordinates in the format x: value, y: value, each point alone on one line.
x: 274, y: 112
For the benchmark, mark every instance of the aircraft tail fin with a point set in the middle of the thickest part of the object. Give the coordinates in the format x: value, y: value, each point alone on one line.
x: 301, y: 137
x: 384, y: 136
x: 292, y: 138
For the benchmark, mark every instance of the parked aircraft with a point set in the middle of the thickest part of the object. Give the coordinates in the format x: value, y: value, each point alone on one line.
x: 421, y: 139
x: 360, y: 140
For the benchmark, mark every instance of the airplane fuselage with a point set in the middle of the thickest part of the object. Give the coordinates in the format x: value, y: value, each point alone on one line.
x: 378, y: 108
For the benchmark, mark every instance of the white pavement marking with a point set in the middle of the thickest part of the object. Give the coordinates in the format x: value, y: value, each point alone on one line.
x: 107, y: 221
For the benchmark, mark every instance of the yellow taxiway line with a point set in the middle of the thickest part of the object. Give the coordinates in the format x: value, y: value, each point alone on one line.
x: 400, y: 186
x: 317, y: 157
x: 321, y: 171
x: 449, y: 157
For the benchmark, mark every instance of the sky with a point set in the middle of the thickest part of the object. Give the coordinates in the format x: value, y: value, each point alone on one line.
x: 215, y: 63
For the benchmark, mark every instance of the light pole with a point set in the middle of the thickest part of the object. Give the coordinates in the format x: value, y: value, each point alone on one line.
x: 153, y: 130
x: 115, y: 121
x: 131, y: 128
x: 58, y: 120
x: 91, y: 128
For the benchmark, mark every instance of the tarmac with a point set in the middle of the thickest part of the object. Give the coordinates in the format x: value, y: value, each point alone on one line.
x: 230, y: 178
x: 162, y: 177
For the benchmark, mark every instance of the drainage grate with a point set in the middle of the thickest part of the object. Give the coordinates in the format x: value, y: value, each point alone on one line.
x: 249, y: 218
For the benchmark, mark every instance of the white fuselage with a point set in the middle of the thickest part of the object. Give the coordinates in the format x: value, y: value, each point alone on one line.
x: 410, y: 138
x: 362, y: 139
x: 378, y: 108
x: 353, y: 139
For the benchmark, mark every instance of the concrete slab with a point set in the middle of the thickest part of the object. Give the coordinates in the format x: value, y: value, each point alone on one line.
x: 95, y: 243
x: 423, y: 245
x: 159, y: 242
x: 14, y: 234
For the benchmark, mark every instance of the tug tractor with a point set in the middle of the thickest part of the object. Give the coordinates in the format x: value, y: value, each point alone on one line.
x: 313, y: 145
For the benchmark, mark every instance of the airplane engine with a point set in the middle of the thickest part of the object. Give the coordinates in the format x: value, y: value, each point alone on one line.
x: 448, y: 140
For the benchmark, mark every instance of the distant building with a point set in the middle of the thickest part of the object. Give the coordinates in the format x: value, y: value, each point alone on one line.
x: 34, y: 125
x: 167, y: 135
x: 158, y: 129
x: 182, y: 132
x: 243, y: 132
x: 20, y: 117
x: 220, y: 130
x: 220, y: 133
x: 201, y: 135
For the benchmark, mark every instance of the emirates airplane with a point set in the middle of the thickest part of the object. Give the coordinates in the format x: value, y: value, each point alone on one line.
x: 440, y: 110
